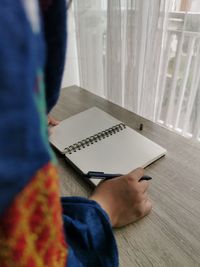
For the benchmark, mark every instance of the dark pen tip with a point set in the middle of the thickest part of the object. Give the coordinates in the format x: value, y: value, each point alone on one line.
x: 145, y: 178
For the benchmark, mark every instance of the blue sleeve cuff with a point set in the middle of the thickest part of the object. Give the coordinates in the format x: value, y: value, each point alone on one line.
x: 89, y: 234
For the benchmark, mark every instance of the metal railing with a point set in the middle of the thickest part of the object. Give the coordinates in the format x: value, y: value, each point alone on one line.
x: 179, y: 96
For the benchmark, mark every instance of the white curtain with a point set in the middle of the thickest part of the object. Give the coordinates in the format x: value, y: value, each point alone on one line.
x: 143, y: 55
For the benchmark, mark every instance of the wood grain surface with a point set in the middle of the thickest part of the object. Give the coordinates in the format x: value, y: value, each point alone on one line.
x: 170, y: 235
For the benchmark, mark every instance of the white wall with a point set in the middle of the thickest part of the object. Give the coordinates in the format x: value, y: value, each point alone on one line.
x: 71, y: 75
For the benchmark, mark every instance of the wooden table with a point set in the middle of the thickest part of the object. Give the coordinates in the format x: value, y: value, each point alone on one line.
x: 170, y: 235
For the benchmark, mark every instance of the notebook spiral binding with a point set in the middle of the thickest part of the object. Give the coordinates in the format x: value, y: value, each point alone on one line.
x: 94, y: 138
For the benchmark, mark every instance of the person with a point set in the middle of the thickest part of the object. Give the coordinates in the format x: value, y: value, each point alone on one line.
x: 37, y: 228
x: 52, y: 121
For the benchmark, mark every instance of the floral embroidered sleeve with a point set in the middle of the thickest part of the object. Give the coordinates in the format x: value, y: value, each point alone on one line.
x: 31, y: 229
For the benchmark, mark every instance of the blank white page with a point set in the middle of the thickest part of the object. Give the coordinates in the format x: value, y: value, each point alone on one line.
x: 80, y: 126
x: 119, y: 153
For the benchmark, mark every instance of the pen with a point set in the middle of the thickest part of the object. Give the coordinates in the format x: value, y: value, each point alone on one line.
x: 145, y: 178
x: 102, y: 175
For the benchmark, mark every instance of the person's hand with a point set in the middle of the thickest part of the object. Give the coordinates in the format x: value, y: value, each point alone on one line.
x: 52, y: 121
x: 124, y: 198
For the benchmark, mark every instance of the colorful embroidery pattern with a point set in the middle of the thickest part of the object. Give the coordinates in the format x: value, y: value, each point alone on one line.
x: 31, y: 231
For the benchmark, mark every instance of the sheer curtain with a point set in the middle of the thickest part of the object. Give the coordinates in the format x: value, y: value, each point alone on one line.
x: 144, y: 56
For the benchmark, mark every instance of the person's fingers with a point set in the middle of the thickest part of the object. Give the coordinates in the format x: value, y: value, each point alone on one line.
x: 55, y: 122
x: 133, y: 180
x: 148, y: 206
x: 144, y: 208
x: 52, y: 121
x: 145, y: 196
x: 136, y: 174
x: 144, y: 185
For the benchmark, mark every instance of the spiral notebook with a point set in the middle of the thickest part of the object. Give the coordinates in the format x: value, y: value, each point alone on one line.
x: 95, y: 141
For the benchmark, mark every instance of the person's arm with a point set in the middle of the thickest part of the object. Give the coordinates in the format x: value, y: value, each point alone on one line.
x: 89, y: 234
x: 124, y: 198
x: 114, y: 203
x: 31, y: 226
x: 22, y: 150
